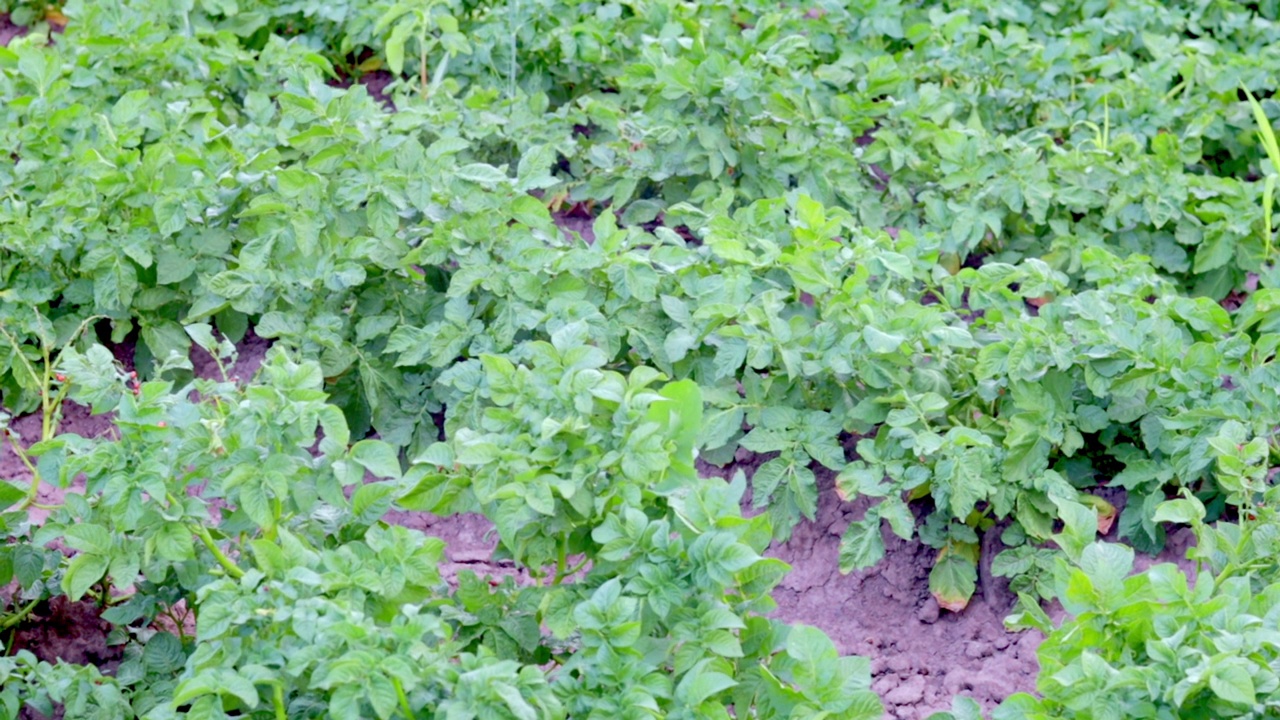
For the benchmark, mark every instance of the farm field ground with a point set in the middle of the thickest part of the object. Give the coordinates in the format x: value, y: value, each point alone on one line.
x: 540, y: 359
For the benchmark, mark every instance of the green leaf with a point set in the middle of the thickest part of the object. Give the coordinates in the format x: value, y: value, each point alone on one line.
x: 89, y: 538
x: 372, y: 501
x: 1107, y: 565
x: 686, y: 404
x: 203, y: 684
x: 336, y: 432
x: 163, y: 653
x: 1230, y: 680
x: 270, y: 558
x: 701, y: 683
x: 894, y: 511
x: 127, y: 108
x: 765, y: 481
x: 1079, y: 526
x: 28, y: 565
x: 395, y: 46
x: 382, y: 695
x: 534, y: 173
x: 1186, y: 511
x: 235, y: 685
x: 257, y: 504
x: 862, y: 705
x: 10, y: 494
x: 1020, y: 706
x: 966, y: 477
x: 175, y: 542
x: 1265, y: 131
x: 483, y: 174
x: 880, y: 342
x: 1028, y: 614
x: 862, y: 545
x: 165, y: 338
x: 722, y: 556
x: 381, y: 216
x: 82, y: 572
x: 378, y: 457
x: 202, y: 335
x: 344, y: 703
x: 811, y: 646
x: 171, y: 216
x: 530, y: 210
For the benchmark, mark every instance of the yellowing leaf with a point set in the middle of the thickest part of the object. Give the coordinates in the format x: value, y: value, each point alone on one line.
x: 954, y: 576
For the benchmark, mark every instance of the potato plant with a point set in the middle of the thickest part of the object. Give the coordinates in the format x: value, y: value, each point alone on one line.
x: 975, y: 262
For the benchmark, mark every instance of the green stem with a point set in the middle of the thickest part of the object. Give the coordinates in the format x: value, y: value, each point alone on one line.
x: 1226, y: 573
x: 232, y: 569
x: 404, y: 699
x: 14, y: 619
x: 46, y: 402
x: 571, y: 571
x: 1176, y: 89
x: 17, y: 351
x: 561, y: 559
x: 57, y: 408
x: 50, y: 406
x: 277, y: 699
x: 422, y: 59
x: 34, y: 490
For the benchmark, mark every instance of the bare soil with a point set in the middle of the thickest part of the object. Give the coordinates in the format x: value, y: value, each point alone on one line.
x: 71, y: 632
x: 8, y: 30
x: 921, y: 656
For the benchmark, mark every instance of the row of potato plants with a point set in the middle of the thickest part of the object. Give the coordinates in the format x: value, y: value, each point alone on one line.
x: 245, y: 567
x: 1008, y: 128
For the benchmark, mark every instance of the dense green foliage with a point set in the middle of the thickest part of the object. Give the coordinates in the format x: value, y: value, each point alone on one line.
x: 974, y: 259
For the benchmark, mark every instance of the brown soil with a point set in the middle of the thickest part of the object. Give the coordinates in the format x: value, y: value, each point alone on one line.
x: 67, y: 631
x: 8, y: 30
x: 376, y: 83
x: 252, y: 350
x: 921, y: 656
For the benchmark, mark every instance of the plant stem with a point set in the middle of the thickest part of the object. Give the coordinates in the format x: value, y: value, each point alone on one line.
x: 232, y: 569
x: 561, y: 558
x: 571, y: 571
x: 277, y: 699
x: 17, y: 351
x: 34, y: 490
x: 404, y: 699
x: 422, y: 58
x: 203, y: 533
x: 177, y: 624
x: 13, y: 620
x: 50, y: 406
